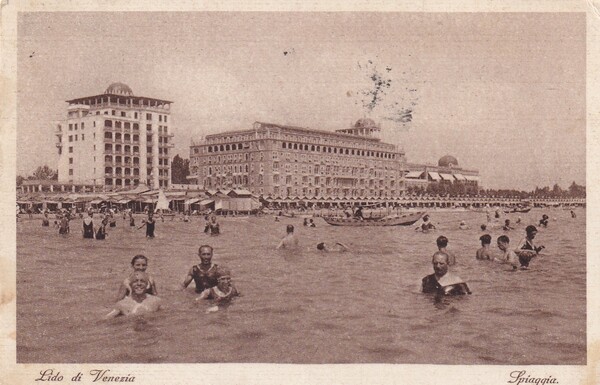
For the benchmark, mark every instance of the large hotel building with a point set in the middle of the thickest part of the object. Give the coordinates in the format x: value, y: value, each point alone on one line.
x: 285, y: 161
x: 115, y: 140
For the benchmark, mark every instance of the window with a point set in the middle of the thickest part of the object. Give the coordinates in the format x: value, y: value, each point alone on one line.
x: 76, y: 138
x: 82, y: 125
x: 70, y: 127
x: 75, y: 125
x: 70, y: 138
x: 94, y: 123
x: 82, y: 136
x: 70, y: 160
x: 70, y: 150
x: 70, y: 171
x: 113, y: 112
x: 123, y: 113
x: 135, y: 115
x: 160, y: 118
x: 148, y: 116
x: 148, y: 127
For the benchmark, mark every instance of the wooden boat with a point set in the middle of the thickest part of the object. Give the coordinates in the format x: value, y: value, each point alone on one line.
x: 518, y: 210
x: 405, y: 219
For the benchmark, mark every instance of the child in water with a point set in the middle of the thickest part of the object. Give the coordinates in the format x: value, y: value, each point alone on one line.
x: 139, y: 264
x: 223, y: 292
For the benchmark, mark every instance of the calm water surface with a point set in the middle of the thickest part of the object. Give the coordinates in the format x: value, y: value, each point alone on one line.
x: 362, y: 306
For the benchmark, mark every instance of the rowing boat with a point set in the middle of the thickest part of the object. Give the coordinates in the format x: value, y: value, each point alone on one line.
x: 405, y: 219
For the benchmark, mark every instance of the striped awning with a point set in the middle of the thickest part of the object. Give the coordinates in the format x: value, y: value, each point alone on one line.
x: 447, y: 176
x: 434, y: 175
x: 414, y: 174
x: 472, y: 178
x: 192, y: 201
x: 460, y: 177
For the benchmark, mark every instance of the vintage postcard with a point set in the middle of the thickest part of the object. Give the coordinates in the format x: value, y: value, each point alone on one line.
x: 299, y: 193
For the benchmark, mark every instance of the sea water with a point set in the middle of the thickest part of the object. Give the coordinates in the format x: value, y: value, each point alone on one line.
x: 306, y: 306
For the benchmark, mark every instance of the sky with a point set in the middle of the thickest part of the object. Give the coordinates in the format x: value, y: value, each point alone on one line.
x: 504, y: 93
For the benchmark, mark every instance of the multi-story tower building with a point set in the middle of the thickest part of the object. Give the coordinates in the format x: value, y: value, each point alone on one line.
x: 285, y: 161
x: 115, y: 140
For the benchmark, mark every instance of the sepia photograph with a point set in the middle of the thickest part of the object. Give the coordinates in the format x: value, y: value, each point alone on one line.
x: 305, y: 188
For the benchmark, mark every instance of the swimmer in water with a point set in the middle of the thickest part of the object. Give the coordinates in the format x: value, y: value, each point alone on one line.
x: 139, y: 302
x: 426, y: 225
x: 223, y: 292
x: 339, y: 247
x: 442, y: 244
x: 526, y: 249
x: 138, y: 263
x: 290, y: 240
x: 509, y: 256
x: 485, y: 251
x: 463, y: 225
x: 507, y: 226
x: 442, y: 282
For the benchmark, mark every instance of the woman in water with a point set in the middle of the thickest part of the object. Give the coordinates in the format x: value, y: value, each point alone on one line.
x: 139, y: 263
x: 139, y: 302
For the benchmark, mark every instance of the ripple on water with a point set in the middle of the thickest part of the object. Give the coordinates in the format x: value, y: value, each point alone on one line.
x: 301, y: 307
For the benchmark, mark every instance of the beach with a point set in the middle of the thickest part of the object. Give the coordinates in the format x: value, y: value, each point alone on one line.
x: 307, y: 307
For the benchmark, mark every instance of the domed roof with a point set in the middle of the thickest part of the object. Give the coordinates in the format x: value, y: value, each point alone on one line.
x: 119, y: 89
x: 448, y: 161
x: 364, y: 123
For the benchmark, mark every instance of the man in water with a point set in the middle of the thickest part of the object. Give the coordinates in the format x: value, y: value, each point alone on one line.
x: 441, y: 281
x: 526, y: 249
x: 426, y: 225
x: 509, y: 256
x: 442, y: 244
x: 150, y: 224
x: 340, y: 247
x: 139, y: 302
x: 290, y: 240
x: 206, y: 274
x: 485, y: 251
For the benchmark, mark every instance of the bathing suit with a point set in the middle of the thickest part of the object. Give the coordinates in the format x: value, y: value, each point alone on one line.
x: 525, y: 258
x: 101, y: 233
x: 205, y: 279
x: 450, y: 285
x: 150, y: 228
x: 88, y: 229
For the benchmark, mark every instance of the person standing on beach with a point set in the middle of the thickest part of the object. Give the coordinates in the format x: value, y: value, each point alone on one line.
x: 290, y: 240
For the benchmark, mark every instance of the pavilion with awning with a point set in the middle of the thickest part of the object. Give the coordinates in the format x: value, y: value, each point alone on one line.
x: 434, y: 176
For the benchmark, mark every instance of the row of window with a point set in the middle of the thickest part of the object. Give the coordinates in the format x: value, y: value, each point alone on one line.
x: 307, y: 147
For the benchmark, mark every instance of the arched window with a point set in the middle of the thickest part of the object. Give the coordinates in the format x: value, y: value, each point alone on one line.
x: 108, y: 123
